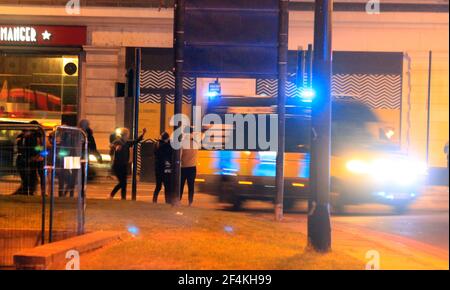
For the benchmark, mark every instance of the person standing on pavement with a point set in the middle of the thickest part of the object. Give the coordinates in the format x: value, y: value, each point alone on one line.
x: 92, y: 145
x: 163, y: 167
x: 189, y: 164
x: 121, y: 161
x: 27, y: 161
x: 113, y: 137
x: 40, y: 159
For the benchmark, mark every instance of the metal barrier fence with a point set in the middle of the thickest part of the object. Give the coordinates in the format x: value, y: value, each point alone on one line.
x: 70, y: 165
x: 42, y: 186
x: 23, y: 183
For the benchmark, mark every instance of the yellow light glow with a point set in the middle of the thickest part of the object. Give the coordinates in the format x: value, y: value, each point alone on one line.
x: 69, y: 59
x: 49, y: 124
x: 390, y: 134
x: 245, y: 182
x: 298, y: 184
x: 357, y: 166
x: 106, y: 157
x: 200, y: 180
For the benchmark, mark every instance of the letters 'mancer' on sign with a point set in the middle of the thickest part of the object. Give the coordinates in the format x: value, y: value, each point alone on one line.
x: 18, y: 34
x: 42, y: 35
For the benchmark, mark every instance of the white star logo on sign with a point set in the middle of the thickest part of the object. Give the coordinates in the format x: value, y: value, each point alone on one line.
x: 46, y: 35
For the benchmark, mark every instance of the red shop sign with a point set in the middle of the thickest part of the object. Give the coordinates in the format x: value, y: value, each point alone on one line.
x: 39, y: 35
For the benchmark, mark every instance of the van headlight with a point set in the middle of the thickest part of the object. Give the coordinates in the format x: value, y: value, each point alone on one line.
x: 400, y: 171
x: 358, y: 166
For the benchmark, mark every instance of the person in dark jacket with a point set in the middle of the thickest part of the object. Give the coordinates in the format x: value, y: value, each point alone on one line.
x: 27, y: 161
x: 40, y: 159
x: 163, y: 167
x: 92, y: 145
x: 121, y: 160
x: 67, y: 177
x: 113, y: 137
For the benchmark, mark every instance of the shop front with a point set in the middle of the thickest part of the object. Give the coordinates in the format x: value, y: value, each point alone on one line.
x: 40, y: 73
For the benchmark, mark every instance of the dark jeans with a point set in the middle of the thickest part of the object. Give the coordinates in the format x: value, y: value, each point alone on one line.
x: 121, y: 172
x: 28, y: 178
x: 41, y: 173
x: 162, y: 179
x: 188, y: 174
x: 67, y: 179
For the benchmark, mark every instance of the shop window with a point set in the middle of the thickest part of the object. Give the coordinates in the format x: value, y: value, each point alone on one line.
x: 39, y: 87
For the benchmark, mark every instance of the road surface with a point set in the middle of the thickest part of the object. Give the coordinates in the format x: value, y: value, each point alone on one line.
x: 427, y: 222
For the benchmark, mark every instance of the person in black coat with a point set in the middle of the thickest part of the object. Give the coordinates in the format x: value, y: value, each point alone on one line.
x: 27, y: 161
x: 163, y: 167
x: 121, y: 160
x: 92, y: 145
x: 40, y: 159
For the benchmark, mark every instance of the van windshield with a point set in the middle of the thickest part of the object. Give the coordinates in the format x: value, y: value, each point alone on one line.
x: 355, y: 126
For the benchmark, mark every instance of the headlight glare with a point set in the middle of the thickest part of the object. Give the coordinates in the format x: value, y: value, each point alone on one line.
x: 358, y: 166
x: 401, y: 171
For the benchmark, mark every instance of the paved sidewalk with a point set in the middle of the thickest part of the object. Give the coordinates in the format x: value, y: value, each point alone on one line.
x: 395, y: 252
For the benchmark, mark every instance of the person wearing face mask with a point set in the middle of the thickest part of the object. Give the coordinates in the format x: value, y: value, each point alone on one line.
x: 121, y: 160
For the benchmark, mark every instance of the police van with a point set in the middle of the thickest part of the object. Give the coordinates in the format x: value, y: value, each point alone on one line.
x: 364, y: 167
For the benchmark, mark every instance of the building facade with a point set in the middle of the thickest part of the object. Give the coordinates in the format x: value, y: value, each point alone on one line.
x: 410, y: 29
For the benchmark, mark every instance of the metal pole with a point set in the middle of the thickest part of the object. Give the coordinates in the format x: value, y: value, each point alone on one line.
x: 52, y: 189
x: 178, y: 70
x: 430, y: 63
x: 319, y: 228
x: 44, y: 187
x: 283, y: 36
x: 308, y: 66
x: 137, y: 93
x: 300, y: 68
x: 81, y: 211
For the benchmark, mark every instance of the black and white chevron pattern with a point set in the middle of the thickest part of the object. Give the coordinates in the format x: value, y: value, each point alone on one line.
x: 139, y: 159
x: 156, y: 81
x: 150, y: 98
x: 376, y: 90
x: 157, y: 98
x: 189, y: 83
x: 269, y: 87
x: 379, y: 91
x: 170, y: 99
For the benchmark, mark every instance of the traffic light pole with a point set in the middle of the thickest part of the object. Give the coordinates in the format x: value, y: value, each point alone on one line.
x: 178, y: 70
x: 319, y: 228
x: 282, y: 77
x: 137, y: 93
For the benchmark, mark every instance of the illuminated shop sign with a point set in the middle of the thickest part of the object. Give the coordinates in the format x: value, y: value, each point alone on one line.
x: 19, y: 33
x: 40, y: 35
